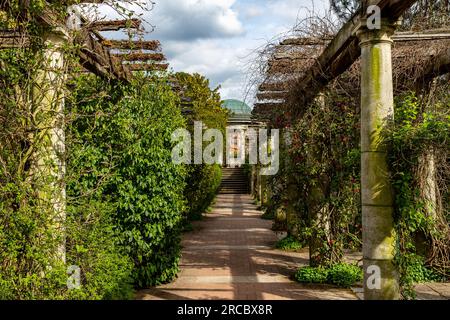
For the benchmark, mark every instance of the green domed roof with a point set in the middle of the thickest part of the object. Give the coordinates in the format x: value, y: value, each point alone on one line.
x: 237, y: 107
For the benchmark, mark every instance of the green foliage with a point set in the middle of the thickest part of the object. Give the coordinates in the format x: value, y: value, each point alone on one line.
x: 126, y: 144
x: 340, y: 274
x: 31, y: 267
x: 289, y: 243
x: 324, y: 171
x: 203, y: 181
x: 419, y: 131
x: 311, y: 275
x: 268, y: 215
x: 92, y: 245
x: 31, y: 237
x: 413, y: 270
x: 344, y: 275
x: 206, y: 103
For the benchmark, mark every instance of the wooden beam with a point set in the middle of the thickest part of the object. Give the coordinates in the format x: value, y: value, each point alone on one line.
x: 147, y: 67
x: 97, y: 59
x: 274, y: 86
x: 436, y: 66
x: 305, y: 42
x: 343, y: 48
x: 266, y: 111
x: 138, y: 56
x: 13, y: 39
x: 285, y: 66
x: 269, y: 105
x: 291, y: 56
x: 271, y: 95
x: 129, y: 44
x: 92, y: 54
x: 114, y: 25
x: 420, y: 36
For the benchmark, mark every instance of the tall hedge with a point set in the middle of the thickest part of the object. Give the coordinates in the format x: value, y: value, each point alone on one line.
x: 127, y: 143
x: 203, y: 180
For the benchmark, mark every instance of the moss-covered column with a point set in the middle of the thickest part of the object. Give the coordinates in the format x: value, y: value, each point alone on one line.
x: 258, y: 190
x: 263, y: 191
x: 48, y: 165
x: 291, y: 193
x: 252, y: 180
x: 377, y: 111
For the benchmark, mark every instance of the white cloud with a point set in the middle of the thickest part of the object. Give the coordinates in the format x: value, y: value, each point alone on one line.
x: 213, y: 37
x: 207, y: 57
x: 252, y: 11
x: 186, y: 20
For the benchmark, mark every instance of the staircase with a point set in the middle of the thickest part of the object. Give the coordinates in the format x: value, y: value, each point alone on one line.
x: 234, y: 181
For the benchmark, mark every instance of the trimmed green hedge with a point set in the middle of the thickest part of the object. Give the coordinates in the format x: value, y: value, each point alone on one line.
x: 340, y: 274
x: 203, y: 184
x: 127, y: 142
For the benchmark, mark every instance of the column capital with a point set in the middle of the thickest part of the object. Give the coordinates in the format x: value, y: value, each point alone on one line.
x: 377, y: 35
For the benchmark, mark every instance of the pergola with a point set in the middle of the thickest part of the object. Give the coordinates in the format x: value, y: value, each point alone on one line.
x: 301, y: 68
x: 112, y: 59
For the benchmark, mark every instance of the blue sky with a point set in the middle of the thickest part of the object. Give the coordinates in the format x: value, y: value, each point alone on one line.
x: 215, y: 37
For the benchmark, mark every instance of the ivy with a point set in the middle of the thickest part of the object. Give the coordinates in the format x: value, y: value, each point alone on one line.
x: 418, y: 132
x: 125, y: 137
x: 340, y: 274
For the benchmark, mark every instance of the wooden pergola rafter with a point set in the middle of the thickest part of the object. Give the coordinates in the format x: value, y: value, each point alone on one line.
x: 98, y: 54
x: 291, y: 64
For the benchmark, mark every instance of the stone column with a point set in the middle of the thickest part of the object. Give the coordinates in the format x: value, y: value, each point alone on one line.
x: 258, y: 183
x: 252, y: 180
x: 291, y: 193
x: 377, y: 112
x: 263, y: 191
x: 48, y: 169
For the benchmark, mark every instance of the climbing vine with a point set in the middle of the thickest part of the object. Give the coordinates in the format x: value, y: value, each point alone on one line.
x: 325, y: 157
x: 419, y: 161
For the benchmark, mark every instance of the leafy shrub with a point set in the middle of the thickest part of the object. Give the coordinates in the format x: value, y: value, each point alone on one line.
x: 340, y: 274
x: 127, y: 143
x: 311, y: 275
x: 203, y: 183
x: 92, y: 245
x: 31, y: 267
x: 344, y: 275
x: 268, y: 215
x: 420, y: 130
x: 289, y: 243
x: 31, y: 237
x: 416, y: 271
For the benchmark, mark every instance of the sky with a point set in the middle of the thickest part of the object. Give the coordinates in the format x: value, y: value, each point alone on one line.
x: 217, y: 37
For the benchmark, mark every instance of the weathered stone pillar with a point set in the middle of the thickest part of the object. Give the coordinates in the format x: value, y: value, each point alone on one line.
x: 291, y: 193
x: 252, y: 180
x: 263, y: 191
x: 48, y: 167
x: 377, y: 112
x: 258, y: 192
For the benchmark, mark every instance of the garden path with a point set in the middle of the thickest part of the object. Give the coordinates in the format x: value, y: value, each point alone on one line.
x: 230, y: 255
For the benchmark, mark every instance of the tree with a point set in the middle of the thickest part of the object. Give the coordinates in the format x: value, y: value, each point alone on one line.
x: 203, y: 180
x: 344, y: 9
